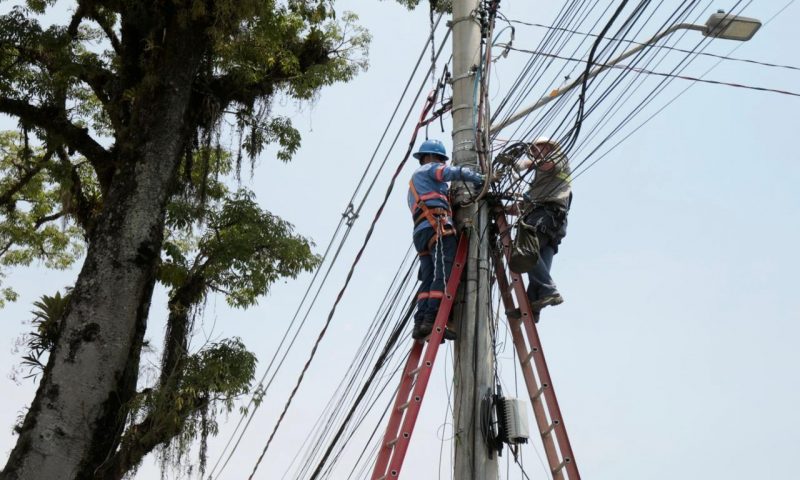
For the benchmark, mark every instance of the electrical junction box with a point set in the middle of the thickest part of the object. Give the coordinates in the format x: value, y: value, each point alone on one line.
x: 516, y: 421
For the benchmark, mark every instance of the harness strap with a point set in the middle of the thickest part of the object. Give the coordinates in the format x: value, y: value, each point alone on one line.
x: 437, y: 213
x: 432, y: 215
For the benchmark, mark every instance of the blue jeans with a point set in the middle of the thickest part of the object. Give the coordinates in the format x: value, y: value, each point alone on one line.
x: 541, y: 284
x: 434, y: 271
x: 551, y: 228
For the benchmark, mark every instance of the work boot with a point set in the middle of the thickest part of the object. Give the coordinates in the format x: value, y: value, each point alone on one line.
x: 449, y: 334
x: 547, y: 301
x: 421, y: 329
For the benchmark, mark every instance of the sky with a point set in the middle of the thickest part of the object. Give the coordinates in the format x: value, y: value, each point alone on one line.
x: 674, y: 355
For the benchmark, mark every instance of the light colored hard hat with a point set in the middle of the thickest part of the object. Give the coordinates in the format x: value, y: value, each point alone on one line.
x: 548, y: 140
x: 543, y: 141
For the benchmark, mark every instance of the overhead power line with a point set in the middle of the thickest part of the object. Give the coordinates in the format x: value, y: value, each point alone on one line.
x: 662, y: 74
x: 662, y: 47
x: 577, y: 173
x: 429, y: 105
x: 345, y: 220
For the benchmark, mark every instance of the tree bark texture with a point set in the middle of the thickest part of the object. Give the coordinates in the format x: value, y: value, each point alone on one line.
x: 76, y: 419
x: 158, y: 427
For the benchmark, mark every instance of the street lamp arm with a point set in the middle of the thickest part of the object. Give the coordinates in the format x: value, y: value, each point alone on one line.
x: 601, y: 68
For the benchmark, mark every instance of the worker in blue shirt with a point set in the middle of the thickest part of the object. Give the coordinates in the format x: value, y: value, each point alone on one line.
x: 434, y: 234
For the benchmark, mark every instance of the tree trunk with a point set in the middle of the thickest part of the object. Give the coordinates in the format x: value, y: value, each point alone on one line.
x: 79, y: 412
x: 165, y: 422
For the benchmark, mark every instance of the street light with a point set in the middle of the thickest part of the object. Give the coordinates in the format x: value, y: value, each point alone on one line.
x: 719, y: 25
x: 731, y: 27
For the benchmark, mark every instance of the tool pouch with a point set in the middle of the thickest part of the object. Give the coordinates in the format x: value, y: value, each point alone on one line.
x: 525, y: 249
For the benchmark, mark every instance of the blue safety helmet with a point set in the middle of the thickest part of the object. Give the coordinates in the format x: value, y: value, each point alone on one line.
x: 432, y: 147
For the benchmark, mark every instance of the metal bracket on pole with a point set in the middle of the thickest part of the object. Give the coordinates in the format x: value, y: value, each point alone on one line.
x: 466, y: 145
x: 471, y: 73
x: 463, y: 106
x: 465, y: 129
x: 471, y: 17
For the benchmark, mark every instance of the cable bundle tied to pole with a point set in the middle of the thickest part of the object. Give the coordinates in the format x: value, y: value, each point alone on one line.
x: 429, y: 104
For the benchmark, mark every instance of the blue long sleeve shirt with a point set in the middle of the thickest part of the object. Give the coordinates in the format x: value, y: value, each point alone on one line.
x: 430, y: 181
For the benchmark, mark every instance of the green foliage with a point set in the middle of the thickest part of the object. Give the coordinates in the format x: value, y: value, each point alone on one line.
x: 242, y: 251
x: 210, y: 382
x: 83, y: 94
x: 7, y: 294
x: 46, y: 323
x: 437, y: 5
x: 35, y: 192
x: 219, y: 372
x: 253, y: 51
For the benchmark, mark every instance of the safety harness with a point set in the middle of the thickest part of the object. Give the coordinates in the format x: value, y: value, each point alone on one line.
x: 436, y: 216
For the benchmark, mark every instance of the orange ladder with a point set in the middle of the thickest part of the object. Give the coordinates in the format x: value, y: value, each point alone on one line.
x: 415, y: 378
x: 531, y: 357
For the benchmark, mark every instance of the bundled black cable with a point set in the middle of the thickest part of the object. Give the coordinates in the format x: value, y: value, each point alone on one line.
x: 379, y: 364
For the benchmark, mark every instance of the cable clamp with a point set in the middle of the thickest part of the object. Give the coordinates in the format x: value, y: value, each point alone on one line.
x: 350, y: 215
x: 468, y: 74
x: 468, y: 18
x: 463, y: 106
x: 465, y: 129
x: 465, y: 145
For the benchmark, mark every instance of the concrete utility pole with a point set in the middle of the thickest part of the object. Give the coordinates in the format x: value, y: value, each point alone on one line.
x: 474, y: 362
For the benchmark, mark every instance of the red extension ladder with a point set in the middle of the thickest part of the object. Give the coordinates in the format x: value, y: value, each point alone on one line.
x: 416, y: 374
x: 522, y: 322
x: 531, y: 357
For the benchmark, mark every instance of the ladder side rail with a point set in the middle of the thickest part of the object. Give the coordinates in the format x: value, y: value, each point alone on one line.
x: 557, y: 419
x: 410, y: 419
x: 523, y: 353
x: 538, y: 354
x: 393, y: 428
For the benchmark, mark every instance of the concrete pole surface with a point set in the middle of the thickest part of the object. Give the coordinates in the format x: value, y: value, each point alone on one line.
x: 474, y: 361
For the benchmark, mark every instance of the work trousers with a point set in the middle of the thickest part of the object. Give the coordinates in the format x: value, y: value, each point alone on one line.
x: 550, y: 223
x: 435, y: 264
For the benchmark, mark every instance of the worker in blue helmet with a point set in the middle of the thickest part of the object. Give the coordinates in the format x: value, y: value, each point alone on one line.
x: 434, y: 234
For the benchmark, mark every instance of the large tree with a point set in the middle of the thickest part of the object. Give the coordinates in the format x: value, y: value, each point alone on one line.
x: 122, y: 105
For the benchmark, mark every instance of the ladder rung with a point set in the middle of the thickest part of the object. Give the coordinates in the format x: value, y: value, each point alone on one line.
x: 528, y: 358
x: 539, y: 392
x: 403, y: 406
x: 391, y: 443
x: 550, y: 428
x: 560, y: 466
x: 414, y: 372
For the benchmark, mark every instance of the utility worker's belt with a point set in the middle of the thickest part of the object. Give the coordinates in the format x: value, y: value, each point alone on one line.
x: 436, y: 216
x: 438, y: 213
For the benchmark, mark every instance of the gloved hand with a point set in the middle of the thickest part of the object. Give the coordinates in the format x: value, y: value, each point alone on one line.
x: 524, y: 164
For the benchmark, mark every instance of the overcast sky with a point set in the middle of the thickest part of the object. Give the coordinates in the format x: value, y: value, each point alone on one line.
x: 674, y: 355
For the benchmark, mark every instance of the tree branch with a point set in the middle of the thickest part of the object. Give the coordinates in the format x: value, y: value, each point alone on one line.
x: 48, y: 218
x: 77, y: 17
x: 6, y: 248
x: 87, y: 9
x: 109, y: 31
x: 84, y: 208
x: 90, y: 73
x: 53, y: 121
x: 140, y: 439
x: 5, y: 197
